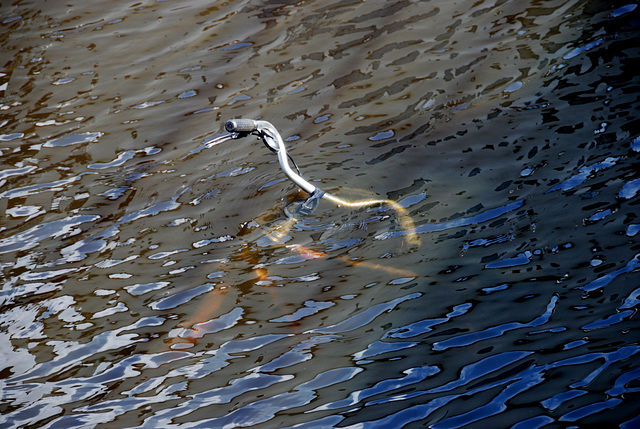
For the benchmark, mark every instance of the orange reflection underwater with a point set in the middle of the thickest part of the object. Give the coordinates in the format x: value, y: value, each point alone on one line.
x: 195, y: 327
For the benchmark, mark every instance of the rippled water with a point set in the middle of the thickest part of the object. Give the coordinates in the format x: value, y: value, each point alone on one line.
x: 145, y: 282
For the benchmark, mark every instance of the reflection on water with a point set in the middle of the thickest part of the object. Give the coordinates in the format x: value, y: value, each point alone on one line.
x: 152, y: 278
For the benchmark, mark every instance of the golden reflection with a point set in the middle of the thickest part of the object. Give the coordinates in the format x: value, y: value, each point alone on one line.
x: 190, y: 329
x: 308, y: 253
x: 276, y: 237
x: 406, y: 222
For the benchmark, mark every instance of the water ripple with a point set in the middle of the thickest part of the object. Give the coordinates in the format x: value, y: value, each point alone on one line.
x: 152, y: 274
x: 34, y: 236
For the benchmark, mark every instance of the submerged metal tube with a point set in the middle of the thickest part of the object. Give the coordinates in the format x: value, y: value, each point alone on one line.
x: 241, y: 126
x: 272, y: 139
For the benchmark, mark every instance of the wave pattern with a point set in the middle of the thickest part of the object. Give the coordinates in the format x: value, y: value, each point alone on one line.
x: 150, y: 275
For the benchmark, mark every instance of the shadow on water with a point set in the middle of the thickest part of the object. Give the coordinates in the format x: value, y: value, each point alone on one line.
x: 157, y: 273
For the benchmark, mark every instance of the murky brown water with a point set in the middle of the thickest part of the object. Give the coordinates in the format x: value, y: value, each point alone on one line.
x: 139, y: 286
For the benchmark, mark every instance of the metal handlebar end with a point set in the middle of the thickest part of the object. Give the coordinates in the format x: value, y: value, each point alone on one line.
x: 241, y: 126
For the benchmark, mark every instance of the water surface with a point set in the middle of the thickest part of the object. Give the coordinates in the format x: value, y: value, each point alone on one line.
x: 143, y: 284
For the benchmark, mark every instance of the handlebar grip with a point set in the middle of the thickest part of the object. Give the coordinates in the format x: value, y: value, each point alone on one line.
x: 241, y: 125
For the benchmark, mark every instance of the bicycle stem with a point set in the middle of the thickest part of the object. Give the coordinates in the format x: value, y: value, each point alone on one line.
x: 272, y: 139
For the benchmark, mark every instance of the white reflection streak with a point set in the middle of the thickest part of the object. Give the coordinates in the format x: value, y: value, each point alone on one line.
x: 365, y: 317
x: 496, y: 331
x: 465, y: 221
x: 32, y: 237
x: 26, y: 191
x: 75, y: 354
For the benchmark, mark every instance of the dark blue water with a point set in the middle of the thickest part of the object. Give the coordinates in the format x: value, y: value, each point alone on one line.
x: 151, y: 276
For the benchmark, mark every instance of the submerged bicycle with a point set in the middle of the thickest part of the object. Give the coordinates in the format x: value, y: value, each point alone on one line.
x: 273, y: 141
